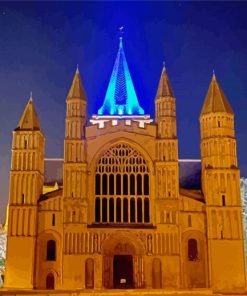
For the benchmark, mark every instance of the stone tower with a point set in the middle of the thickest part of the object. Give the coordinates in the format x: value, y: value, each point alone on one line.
x: 221, y: 188
x: 75, y: 167
x: 26, y: 182
x: 167, y: 188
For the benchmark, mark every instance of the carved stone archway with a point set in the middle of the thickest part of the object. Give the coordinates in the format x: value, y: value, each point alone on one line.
x: 126, y: 245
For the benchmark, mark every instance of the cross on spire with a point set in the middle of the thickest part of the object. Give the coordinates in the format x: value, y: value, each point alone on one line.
x: 121, y: 32
x: 164, y: 65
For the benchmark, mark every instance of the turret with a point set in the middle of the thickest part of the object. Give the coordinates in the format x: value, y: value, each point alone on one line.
x: 165, y: 108
x: 26, y: 182
x: 74, y: 149
x: 76, y: 109
x: 166, y: 166
x: 221, y: 189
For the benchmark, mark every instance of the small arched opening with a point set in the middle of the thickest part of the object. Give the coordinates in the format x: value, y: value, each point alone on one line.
x: 51, y: 250
x: 192, y: 249
x: 50, y: 281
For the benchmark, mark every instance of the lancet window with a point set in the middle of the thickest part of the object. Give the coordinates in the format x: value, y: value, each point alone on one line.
x: 51, y: 250
x: 122, y: 187
x: 192, y: 250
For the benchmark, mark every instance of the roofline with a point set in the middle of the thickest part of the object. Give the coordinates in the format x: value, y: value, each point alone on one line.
x: 56, y: 159
x: 191, y: 160
x: 180, y: 160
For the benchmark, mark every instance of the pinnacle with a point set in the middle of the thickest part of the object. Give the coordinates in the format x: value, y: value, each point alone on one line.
x: 215, y: 100
x: 164, y: 87
x: 77, y: 90
x: 214, y: 76
x: 29, y: 119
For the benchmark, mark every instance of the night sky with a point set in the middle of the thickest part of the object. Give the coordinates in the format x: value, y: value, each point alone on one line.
x: 41, y: 44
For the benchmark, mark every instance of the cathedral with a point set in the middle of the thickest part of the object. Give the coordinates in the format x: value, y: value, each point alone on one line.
x: 120, y: 210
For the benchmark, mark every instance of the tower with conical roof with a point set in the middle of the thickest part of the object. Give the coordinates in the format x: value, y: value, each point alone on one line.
x: 221, y: 189
x: 75, y: 167
x: 166, y: 145
x: 26, y: 182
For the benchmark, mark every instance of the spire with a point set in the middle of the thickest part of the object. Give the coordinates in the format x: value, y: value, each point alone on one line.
x: 215, y: 100
x: 164, y: 88
x: 120, y: 98
x: 77, y: 90
x: 29, y: 119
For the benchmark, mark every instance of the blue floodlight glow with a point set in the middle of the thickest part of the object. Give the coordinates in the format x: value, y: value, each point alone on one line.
x: 120, y: 98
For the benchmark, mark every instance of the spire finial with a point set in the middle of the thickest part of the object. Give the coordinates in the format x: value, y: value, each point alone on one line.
x: 77, y: 68
x: 31, y: 96
x: 214, y: 77
x: 164, y: 65
x: 121, y: 31
x: 121, y: 35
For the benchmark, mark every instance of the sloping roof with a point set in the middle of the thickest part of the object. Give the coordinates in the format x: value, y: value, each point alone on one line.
x: 164, y: 87
x: 216, y: 100
x: 77, y: 90
x: 29, y: 119
x: 189, y: 172
x: 120, y: 98
x: 192, y: 193
x: 51, y: 194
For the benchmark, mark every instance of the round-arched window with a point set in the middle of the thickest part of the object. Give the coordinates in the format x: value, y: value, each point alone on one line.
x: 122, y: 186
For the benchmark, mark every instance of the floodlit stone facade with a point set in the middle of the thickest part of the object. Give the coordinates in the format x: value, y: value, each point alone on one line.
x: 243, y: 189
x: 120, y: 218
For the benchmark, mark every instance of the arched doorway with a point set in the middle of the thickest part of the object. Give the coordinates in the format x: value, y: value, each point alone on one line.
x: 194, y: 267
x: 50, y: 281
x: 123, y: 271
x: 123, y: 262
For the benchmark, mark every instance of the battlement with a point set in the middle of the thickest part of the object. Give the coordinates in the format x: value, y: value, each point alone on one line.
x: 140, y: 124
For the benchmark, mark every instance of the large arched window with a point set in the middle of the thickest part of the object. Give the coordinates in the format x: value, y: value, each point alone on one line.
x: 51, y: 250
x: 122, y: 187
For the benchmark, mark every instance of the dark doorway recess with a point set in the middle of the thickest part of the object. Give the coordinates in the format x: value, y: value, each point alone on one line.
x: 50, y: 282
x: 123, y: 272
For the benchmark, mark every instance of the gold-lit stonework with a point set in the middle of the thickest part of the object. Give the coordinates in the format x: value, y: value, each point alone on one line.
x: 120, y: 219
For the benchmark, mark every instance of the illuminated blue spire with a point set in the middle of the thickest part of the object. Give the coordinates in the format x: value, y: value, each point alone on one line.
x: 120, y: 98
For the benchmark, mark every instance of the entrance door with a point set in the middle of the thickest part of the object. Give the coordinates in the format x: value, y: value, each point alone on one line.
x: 123, y: 272
x: 50, y: 281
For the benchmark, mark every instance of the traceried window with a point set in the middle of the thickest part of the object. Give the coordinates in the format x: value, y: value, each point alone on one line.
x: 122, y: 187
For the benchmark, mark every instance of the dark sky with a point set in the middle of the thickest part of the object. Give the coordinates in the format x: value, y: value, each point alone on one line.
x: 41, y: 44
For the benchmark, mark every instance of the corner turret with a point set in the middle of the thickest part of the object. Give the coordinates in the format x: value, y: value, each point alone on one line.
x: 76, y: 109
x: 165, y: 108
x: 26, y: 183
x: 221, y: 189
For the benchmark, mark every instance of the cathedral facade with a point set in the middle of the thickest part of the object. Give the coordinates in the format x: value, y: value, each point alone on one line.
x: 120, y: 219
